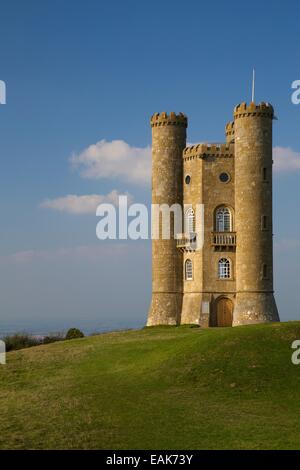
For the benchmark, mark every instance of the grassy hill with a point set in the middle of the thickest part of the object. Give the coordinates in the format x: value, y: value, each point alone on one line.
x: 156, y: 388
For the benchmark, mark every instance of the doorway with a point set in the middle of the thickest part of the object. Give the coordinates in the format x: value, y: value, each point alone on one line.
x: 224, y: 312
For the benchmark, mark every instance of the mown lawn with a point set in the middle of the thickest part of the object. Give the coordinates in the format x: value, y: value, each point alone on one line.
x: 156, y: 388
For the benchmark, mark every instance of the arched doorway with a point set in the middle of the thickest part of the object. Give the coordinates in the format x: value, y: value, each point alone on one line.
x: 224, y: 312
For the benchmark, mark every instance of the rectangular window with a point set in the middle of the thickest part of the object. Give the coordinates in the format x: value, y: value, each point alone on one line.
x: 265, y: 271
x: 264, y: 222
x: 264, y: 174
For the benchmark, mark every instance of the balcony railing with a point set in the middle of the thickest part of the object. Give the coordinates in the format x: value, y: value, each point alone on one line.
x: 223, y: 238
x: 185, y: 241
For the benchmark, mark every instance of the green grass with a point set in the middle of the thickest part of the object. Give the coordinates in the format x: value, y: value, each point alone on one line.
x: 156, y: 388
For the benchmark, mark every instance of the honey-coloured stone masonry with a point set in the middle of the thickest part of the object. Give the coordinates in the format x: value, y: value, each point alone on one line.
x: 229, y: 281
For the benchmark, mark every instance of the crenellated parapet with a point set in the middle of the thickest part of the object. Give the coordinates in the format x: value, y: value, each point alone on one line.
x: 205, y: 150
x: 172, y: 119
x: 229, y: 132
x: 260, y: 110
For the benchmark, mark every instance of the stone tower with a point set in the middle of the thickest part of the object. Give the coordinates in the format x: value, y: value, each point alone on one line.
x: 227, y: 278
x: 168, y: 142
x: 255, y: 301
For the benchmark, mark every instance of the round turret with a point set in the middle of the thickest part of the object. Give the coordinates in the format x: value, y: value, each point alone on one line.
x: 253, y: 207
x: 168, y: 142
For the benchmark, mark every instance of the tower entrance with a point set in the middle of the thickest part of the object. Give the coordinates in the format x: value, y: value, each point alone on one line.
x: 224, y: 312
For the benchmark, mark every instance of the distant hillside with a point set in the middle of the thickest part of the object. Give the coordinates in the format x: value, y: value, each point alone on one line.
x: 156, y: 388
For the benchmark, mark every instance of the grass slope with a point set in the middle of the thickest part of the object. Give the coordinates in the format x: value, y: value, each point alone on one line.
x: 157, y: 388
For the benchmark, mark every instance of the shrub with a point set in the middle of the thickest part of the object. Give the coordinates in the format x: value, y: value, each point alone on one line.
x: 74, y: 333
x: 20, y: 341
x: 53, y: 338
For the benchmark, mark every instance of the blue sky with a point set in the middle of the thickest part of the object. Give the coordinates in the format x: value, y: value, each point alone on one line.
x: 78, y: 73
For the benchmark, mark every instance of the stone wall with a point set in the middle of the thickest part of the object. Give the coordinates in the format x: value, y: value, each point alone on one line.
x: 204, y: 163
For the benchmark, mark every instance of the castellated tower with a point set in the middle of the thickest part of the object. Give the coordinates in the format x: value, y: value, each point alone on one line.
x: 225, y: 278
x: 168, y: 142
x: 255, y: 301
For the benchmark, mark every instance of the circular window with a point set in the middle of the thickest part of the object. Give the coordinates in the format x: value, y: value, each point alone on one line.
x: 224, y: 177
x: 187, y: 179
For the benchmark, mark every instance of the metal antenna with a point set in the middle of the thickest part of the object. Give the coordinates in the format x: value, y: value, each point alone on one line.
x: 253, y: 86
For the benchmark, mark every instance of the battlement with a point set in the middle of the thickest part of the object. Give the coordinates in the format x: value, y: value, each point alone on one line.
x: 203, y: 150
x: 165, y: 119
x: 229, y: 132
x: 262, y: 109
x: 229, y: 128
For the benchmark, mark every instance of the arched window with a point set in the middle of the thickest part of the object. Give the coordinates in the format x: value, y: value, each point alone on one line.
x: 189, y: 221
x: 188, y: 270
x: 223, y: 220
x: 224, y: 268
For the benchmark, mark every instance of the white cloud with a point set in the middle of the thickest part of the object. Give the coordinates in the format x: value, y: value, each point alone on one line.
x: 86, y: 204
x: 119, y: 160
x: 286, y: 159
x: 115, y: 159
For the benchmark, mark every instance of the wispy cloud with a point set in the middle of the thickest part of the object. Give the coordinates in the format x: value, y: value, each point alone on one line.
x: 285, y: 245
x: 115, y: 159
x: 81, y: 252
x: 286, y: 159
x: 85, y: 204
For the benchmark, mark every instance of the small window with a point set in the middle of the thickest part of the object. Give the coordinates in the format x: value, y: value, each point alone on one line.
x: 224, y: 177
x: 264, y: 222
x: 224, y: 268
x: 188, y: 270
x: 265, y: 271
x: 187, y: 179
x: 264, y: 174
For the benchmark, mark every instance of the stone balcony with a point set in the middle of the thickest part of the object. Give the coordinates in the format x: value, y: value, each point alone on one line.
x: 186, y: 241
x: 223, y: 239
